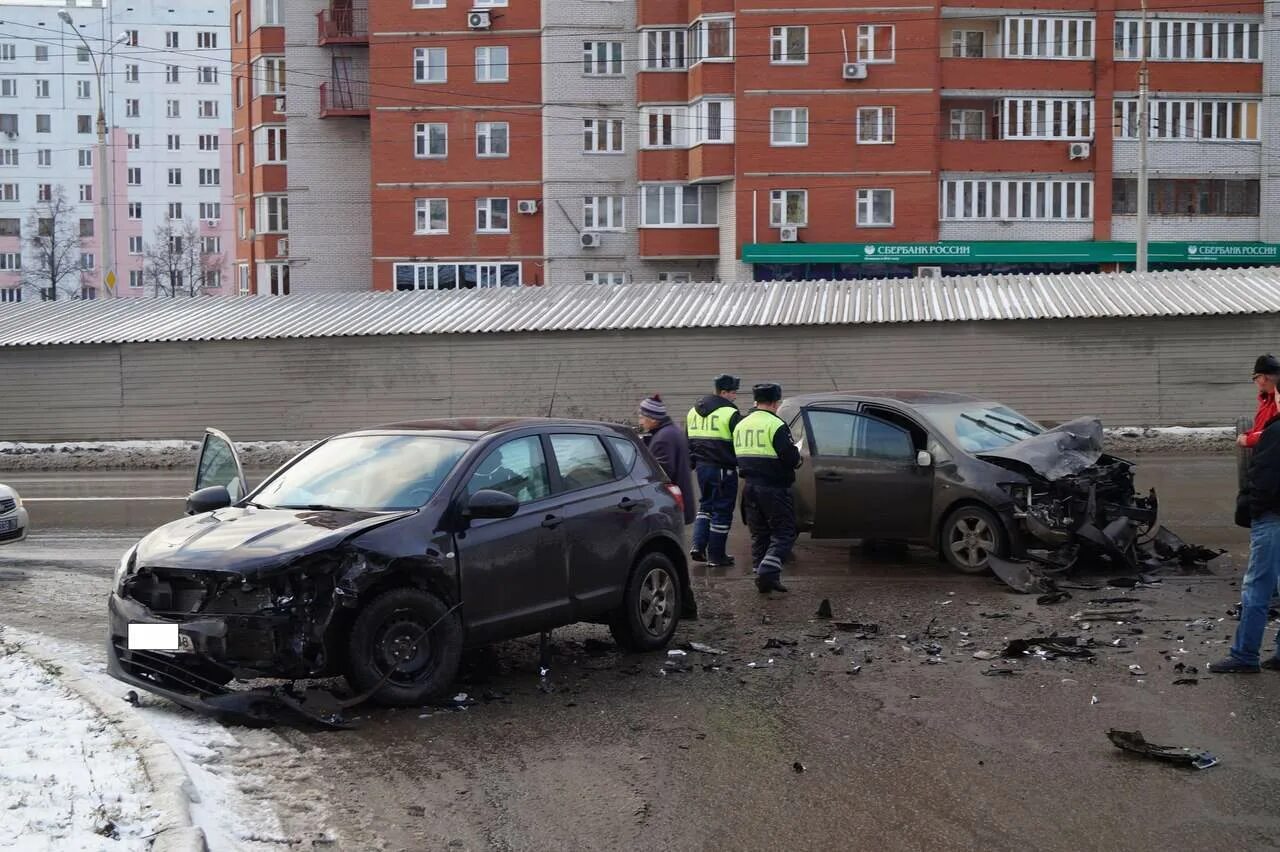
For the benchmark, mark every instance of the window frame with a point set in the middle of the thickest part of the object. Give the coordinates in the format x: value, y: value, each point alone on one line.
x: 797, y: 127
x: 423, y: 66
x: 486, y: 205
x: 880, y: 125
x: 604, y: 131
x: 613, y: 65
x: 780, y: 206
x: 422, y: 140
x: 484, y: 131
x: 779, y: 47
x: 614, y: 207
x: 866, y: 44
x: 488, y: 64
x: 422, y: 210
x: 870, y: 206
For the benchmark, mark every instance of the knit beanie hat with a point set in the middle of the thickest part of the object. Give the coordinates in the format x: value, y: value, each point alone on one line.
x: 654, y: 407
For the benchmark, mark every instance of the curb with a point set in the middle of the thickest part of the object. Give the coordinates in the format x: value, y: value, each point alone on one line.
x: 170, y: 783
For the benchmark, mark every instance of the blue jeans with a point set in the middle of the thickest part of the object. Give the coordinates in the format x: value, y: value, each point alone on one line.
x: 719, y: 489
x: 1257, y: 588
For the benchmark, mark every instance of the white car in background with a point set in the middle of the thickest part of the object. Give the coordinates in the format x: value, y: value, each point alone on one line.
x: 13, y: 518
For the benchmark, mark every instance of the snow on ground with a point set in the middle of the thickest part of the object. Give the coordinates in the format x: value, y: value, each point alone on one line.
x: 68, y: 779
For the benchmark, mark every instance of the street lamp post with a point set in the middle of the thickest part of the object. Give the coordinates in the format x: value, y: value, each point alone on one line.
x: 104, y: 165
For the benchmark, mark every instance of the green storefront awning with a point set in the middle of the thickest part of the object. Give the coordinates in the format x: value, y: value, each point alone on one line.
x: 1045, y: 251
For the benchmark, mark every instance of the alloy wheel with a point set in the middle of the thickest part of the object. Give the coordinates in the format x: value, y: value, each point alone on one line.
x: 657, y: 601
x: 972, y: 540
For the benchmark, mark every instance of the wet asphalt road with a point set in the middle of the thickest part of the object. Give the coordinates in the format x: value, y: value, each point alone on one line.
x: 904, y: 754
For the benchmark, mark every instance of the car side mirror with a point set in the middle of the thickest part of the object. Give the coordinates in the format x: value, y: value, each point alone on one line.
x: 488, y: 503
x: 208, y: 499
x: 924, y: 459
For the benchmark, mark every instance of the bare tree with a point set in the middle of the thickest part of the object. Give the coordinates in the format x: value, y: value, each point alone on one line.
x: 53, y: 246
x: 175, y: 263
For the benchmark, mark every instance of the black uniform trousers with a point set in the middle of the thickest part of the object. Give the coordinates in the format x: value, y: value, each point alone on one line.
x: 770, y: 514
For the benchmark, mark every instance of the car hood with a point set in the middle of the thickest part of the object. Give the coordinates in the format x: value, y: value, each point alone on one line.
x: 249, y: 540
x: 1052, y: 455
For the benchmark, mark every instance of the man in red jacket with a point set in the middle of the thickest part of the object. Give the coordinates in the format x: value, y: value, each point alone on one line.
x: 1266, y: 375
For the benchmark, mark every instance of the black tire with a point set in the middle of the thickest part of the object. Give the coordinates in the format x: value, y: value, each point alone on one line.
x: 389, y: 631
x: 968, y: 536
x: 650, y: 611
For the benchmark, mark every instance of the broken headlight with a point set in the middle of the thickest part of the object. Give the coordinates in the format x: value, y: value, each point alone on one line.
x: 1019, y: 492
x: 126, y: 564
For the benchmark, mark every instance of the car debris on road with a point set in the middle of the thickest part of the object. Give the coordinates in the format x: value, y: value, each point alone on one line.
x: 1135, y: 743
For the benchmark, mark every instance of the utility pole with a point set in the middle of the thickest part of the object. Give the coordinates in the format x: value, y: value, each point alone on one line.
x: 1144, y: 122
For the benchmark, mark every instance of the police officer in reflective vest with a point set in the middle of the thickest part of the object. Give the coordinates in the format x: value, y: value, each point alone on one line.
x: 768, y: 459
x: 709, y: 426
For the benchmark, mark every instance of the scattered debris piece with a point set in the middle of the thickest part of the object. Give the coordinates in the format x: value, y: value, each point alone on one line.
x: 1186, y: 669
x: 702, y: 649
x: 773, y: 642
x: 855, y: 670
x: 1108, y: 601
x: 856, y: 627
x: 1093, y: 700
x: 798, y: 767
x: 1133, y: 741
x: 1137, y: 671
x: 1186, y: 681
x: 1001, y: 672
x: 1056, y: 596
x: 1050, y: 647
x: 984, y: 655
x: 824, y: 609
x: 676, y: 652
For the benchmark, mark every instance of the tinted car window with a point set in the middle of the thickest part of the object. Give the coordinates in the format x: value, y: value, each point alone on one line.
x: 582, y: 459
x: 218, y: 467
x: 626, y: 453
x: 832, y: 433
x: 877, y: 440
x: 518, y: 468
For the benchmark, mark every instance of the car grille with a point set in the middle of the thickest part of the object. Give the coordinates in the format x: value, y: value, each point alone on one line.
x: 7, y: 504
x: 12, y: 534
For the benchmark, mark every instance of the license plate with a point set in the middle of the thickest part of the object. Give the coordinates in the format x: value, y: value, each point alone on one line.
x: 8, y: 525
x: 158, y: 637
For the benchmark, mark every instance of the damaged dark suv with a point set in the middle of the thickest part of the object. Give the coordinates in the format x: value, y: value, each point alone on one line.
x: 382, y: 554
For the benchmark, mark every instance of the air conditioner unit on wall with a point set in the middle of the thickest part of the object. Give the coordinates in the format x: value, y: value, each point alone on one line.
x: 1078, y: 151
x: 479, y: 19
x: 528, y: 207
x: 854, y: 71
x: 590, y: 239
x: 928, y: 271
x: 788, y: 233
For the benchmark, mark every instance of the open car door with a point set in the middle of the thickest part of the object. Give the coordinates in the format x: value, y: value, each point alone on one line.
x: 219, y: 464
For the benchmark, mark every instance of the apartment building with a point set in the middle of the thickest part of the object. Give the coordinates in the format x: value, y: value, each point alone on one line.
x: 477, y: 143
x: 164, y: 83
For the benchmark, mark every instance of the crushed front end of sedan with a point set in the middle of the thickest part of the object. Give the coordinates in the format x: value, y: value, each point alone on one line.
x: 1080, y: 508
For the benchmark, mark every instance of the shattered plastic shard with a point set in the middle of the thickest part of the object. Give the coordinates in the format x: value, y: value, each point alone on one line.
x: 1133, y: 741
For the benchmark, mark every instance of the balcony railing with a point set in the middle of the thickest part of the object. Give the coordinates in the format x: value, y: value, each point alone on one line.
x: 344, y: 97
x: 343, y: 25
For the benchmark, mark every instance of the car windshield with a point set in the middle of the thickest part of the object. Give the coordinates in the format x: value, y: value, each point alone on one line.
x: 365, y: 472
x: 976, y: 428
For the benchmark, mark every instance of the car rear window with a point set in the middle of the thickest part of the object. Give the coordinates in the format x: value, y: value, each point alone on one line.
x: 583, y: 461
x: 626, y: 454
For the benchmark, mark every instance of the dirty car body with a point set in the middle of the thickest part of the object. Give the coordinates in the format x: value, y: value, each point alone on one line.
x: 380, y: 555
x: 972, y: 477
x: 13, y: 516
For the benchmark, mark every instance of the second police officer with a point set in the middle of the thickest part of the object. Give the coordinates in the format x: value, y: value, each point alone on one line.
x: 709, y: 426
x: 767, y: 458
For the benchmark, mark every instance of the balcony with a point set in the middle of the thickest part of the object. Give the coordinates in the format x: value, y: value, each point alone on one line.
x: 339, y: 98
x: 343, y: 24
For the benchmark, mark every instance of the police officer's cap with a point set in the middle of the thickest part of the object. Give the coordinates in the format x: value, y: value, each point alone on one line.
x: 767, y: 392
x: 726, y: 382
x: 1266, y: 365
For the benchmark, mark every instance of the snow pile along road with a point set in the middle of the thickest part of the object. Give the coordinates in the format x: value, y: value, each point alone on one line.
x: 68, y: 778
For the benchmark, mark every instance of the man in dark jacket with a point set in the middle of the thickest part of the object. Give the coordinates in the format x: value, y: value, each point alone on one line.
x: 709, y: 426
x: 767, y: 458
x: 670, y: 449
x: 1259, y: 507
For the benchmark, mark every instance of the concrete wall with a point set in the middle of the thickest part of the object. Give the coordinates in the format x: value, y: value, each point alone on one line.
x: 1130, y: 372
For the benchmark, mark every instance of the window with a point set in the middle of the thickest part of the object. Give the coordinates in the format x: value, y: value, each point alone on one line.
x: 875, y: 43
x: 135, y: 245
x: 208, y: 74
x: 86, y: 260
x: 10, y: 227
x: 431, y: 140
x: 968, y: 124
x: 269, y: 75
x: 711, y: 39
x: 44, y: 192
x: 171, y: 39
x: 238, y: 35
x: 174, y: 142
x: 875, y: 208
x: 135, y: 278
x: 85, y: 158
x: 614, y: 277
x: 132, y: 73
x: 429, y: 4
x: 789, y: 45
x: 82, y: 54
x: 1188, y: 41
x: 134, y: 141
x: 9, y: 123
x: 42, y: 53
x: 1017, y: 199
x: 8, y: 156
x: 674, y: 277
x: 239, y: 92
x: 10, y: 262
x: 430, y: 65
x: 84, y: 124
x: 240, y: 158
x: 172, y: 74
x: 210, y: 177
x: 86, y: 192
x: 583, y: 461
x: 431, y: 216
x: 207, y: 40
x: 789, y: 126
x: 211, y: 245
x: 42, y: 88
x: 8, y: 192
x: 491, y: 65
x: 242, y: 223
x: 875, y: 125
x: 271, y: 144
x: 602, y: 213
x: 132, y: 108
x: 175, y: 177
x: 273, y: 279
x: 86, y: 227
x: 44, y: 123
x: 1188, y: 197
x: 266, y: 13
x: 711, y: 121
x: 454, y: 276
x: 9, y: 52
x: 208, y: 142
x: 664, y: 127
x: 1220, y: 121
x: 841, y: 435
x: 135, y: 210
x: 11, y: 294
x: 493, y: 215
x: 210, y: 210
x: 788, y: 207
x: 676, y: 205
x: 492, y: 138
x: 273, y: 214
x: 602, y: 136
x: 44, y: 157
x: 133, y: 176
x: 1048, y: 38
x: 8, y: 87
x: 175, y: 210
x: 208, y: 109
x: 1046, y: 118
x: 602, y: 58
x: 968, y: 44
x: 517, y: 468
x: 173, y: 108
x: 664, y: 50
